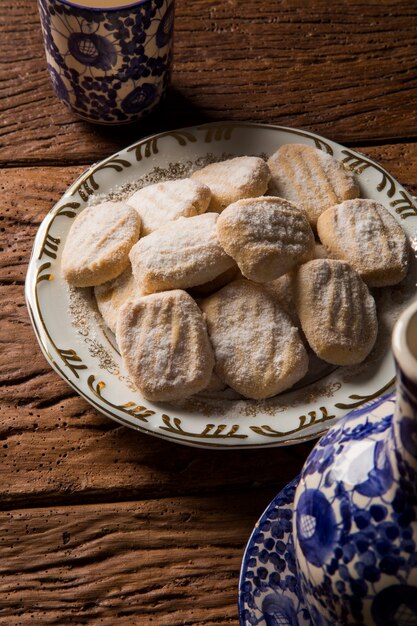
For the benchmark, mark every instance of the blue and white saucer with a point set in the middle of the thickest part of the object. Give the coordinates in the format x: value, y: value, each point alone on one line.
x: 269, y: 590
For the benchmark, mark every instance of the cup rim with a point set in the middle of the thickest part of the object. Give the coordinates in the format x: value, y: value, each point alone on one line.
x: 405, y: 358
x: 129, y: 5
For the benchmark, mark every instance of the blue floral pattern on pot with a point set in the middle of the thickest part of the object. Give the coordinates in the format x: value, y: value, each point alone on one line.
x: 109, y: 66
x: 355, y: 527
x: 269, y: 589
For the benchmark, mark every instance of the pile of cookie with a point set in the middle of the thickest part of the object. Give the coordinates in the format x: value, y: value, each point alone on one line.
x: 223, y: 278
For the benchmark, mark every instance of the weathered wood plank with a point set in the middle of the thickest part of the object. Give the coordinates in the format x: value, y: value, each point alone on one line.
x: 344, y: 69
x: 160, y: 562
x: 53, y: 446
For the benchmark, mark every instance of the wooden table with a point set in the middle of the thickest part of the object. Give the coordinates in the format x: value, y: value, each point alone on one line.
x: 99, y: 524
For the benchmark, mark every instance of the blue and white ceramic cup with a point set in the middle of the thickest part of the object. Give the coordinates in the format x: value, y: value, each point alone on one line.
x: 109, y: 60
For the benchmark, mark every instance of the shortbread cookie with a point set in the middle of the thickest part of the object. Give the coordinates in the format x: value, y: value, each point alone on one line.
x: 110, y: 296
x: 281, y: 289
x: 365, y: 235
x: 267, y: 237
x: 181, y: 254
x: 257, y: 349
x: 336, y: 311
x: 242, y: 177
x: 310, y: 178
x: 201, y: 291
x: 169, y: 200
x: 97, y: 246
x: 164, y: 345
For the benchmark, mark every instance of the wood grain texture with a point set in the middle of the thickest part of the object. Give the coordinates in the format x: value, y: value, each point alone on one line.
x: 53, y: 446
x: 101, y: 525
x: 156, y: 563
x: 346, y: 70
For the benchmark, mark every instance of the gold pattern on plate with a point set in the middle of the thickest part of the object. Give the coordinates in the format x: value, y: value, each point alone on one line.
x: 97, y: 350
x: 322, y: 145
x: 40, y: 276
x: 305, y: 422
x: 130, y: 408
x: 362, y: 399
x: 50, y: 244
x: 149, y: 147
x: 86, y: 185
x: 72, y: 360
x: 354, y: 162
x: 404, y: 205
x: 220, y: 432
x: 224, y: 131
x: 63, y: 210
x: 217, y: 132
x: 63, y: 375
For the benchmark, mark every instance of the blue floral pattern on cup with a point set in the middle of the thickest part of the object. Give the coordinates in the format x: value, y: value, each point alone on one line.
x: 109, y: 66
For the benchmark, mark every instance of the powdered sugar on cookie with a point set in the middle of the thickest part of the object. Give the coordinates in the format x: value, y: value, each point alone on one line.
x: 248, y: 330
x: 181, y: 254
x: 267, y: 237
x: 164, y: 344
x: 98, y: 244
x: 257, y: 349
x: 169, y: 200
x: 242, y: 177
x: 310, y: 178
x: 364, y: 234
x: 336, y: 311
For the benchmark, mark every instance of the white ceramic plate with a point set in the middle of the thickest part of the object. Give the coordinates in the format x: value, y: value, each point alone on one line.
x: 80, y: 348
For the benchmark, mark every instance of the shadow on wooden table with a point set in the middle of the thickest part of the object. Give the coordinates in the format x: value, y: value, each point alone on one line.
x: 174, y: 111
x: 127, y: 465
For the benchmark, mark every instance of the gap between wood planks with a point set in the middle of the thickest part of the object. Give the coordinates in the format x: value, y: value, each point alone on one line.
x: 174, y: 561
x: 264, y: 493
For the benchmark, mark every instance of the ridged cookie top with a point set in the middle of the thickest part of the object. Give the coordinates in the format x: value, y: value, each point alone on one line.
x: 368, y: 237
x: 336, y: 311
x: 231, y: 180
x: 98, y: 243
x: 169, y: 200
x: 266, y: 236
x: 310, y: 178
x: 257, y: 349
x: 164, y: 344
x: 181, y: 254
x: 110, y: 296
